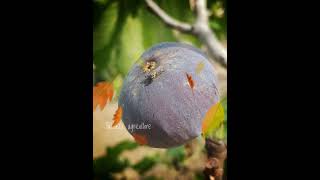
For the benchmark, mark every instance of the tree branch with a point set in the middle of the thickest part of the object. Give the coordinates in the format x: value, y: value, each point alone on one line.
x: 200, y: 29
x: 168, y: 20
x: 206, y: 35
x: 201, y: 12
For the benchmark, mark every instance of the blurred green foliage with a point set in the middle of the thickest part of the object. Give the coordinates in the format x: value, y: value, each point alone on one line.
x: 124, y: 29
x: 104, y: 166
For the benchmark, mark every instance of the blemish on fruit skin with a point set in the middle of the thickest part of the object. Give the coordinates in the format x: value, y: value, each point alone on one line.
x: 149, y: 66
x: 147, y: 81
x: 199, y: 67
x: 151, y: 73
x: 190, y: 80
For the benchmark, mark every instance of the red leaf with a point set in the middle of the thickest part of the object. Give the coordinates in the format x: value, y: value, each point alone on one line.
x: 102, y: 93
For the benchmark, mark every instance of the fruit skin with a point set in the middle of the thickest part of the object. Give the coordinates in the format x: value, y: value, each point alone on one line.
x: 166, y: 101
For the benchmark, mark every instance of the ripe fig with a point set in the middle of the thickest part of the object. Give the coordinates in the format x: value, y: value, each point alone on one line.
x: 167, y: 93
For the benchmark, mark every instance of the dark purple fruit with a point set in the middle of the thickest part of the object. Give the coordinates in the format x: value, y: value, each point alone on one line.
x: 160, y: 107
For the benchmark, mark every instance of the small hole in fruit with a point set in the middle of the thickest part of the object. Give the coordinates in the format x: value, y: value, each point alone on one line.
x: 149, y: 66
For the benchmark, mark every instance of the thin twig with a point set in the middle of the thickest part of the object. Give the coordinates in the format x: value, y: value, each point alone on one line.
x: 168, y: 20
x: 200, y: 28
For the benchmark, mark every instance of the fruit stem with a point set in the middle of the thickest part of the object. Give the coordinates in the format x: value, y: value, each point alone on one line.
x: 217, y: 154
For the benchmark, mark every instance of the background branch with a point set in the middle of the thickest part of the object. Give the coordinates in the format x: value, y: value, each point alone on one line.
x: 200, y: 28
x: 168, y: 20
